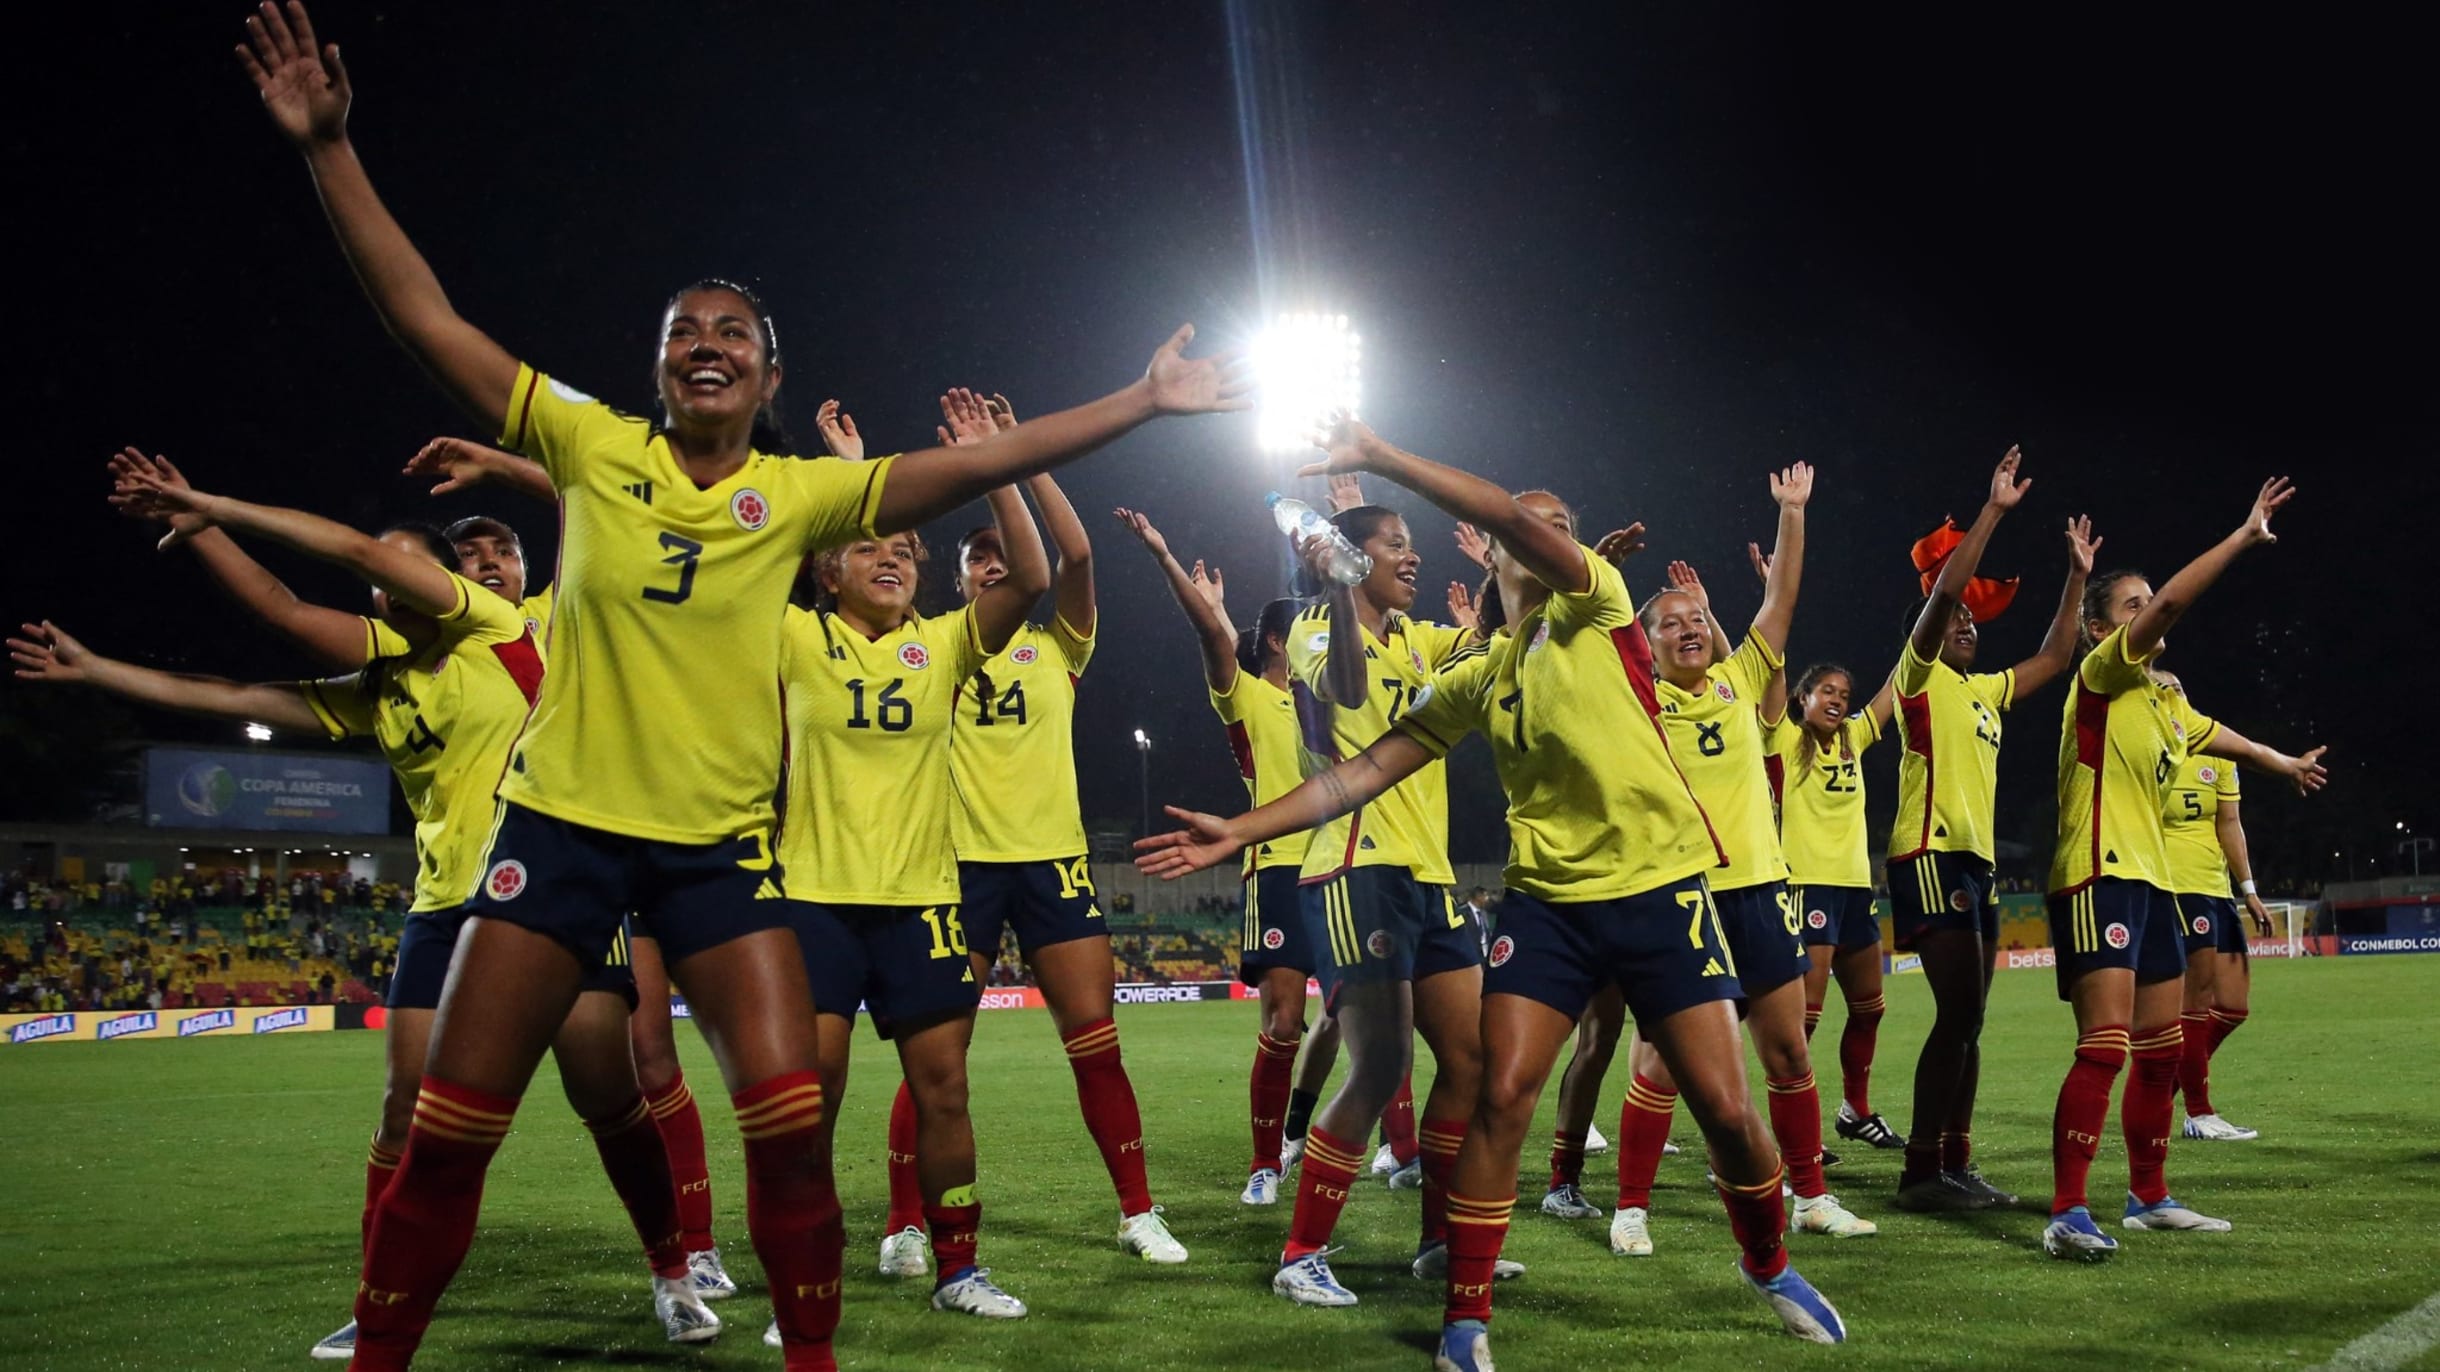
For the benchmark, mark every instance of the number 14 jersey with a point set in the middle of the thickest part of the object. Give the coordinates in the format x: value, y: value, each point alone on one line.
x: 1013, y: 751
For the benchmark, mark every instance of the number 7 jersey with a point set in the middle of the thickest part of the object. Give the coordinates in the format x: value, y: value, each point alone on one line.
x: 1013, y: 751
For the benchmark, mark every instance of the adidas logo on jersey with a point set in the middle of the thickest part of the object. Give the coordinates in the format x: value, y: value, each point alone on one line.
x: 769, y: 890
x: 1365, y: 843
x: 641, y: 490
x: 1712, y: 968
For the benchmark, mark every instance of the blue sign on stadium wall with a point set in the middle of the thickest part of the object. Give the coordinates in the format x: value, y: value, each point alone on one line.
x: 190, y: 788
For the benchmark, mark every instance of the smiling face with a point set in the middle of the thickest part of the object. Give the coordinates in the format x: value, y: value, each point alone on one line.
x: 1390, y: 585
x: 981, y: 564
x: 715, y: 371
x: 875, y: 579
x: 1681, y: 638
x: 1958, y: 644
x: 1825, y: 706
x: 493, y: 561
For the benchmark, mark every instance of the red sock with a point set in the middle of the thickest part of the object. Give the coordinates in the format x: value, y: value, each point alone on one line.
x: 1956, y: 1150
x: 792, y: 1212
x: 2194, y: 1060
x: 2144, y: 1114
x: 425, y: 1219
x: 638, y: 1165
x: 906, y: 1186
x: 1439, y: 1141
x: 2224, y: 1023
x: 956, y: 1229
x: 1323, y: 1181
x: 1758, y: 1215
x: 1856, y: 1045
x: 681, y: 1124
x: 1643, y: 1126
x: 1267, y: 1096
x: 1813, y: 1018
x: 1110, y: 1115
x: 1398, y: 1121
x: 1566, y: 1159
x: 1796, y: 1121
x: 380, y: 1164
x: 2084, y: 1102
x: 1477, y: 1228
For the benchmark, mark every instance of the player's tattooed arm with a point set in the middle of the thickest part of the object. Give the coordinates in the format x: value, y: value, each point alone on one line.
x: 1208, y: 840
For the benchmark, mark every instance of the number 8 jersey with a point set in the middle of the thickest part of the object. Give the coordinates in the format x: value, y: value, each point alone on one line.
x: 1013, y: 752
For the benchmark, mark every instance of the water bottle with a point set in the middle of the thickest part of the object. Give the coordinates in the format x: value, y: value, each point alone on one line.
x: 1342, y: 561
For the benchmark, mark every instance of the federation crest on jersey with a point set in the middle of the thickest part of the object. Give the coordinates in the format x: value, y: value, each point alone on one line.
x: 1378, y: 943
x: 913, y: 657
x: 1502, y: 949
x: 2202, y: 924
x: 505, y: 880
x: 2116, y: 936
x: 1819, y: 919
x: 1274, y: 940
x: 2209, y: 774
x: 1415, y: 655
x: 1960, y: 901
x: 1024, y: 657
x: 750, y: 510
x: 1541, y: 635
x: 1725, y: 691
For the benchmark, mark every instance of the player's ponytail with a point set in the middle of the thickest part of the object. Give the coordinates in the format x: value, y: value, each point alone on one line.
x: 1805, y: 746
x: 1254, y: 641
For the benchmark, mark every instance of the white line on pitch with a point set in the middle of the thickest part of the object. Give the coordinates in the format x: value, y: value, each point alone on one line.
x: 2394, y: 1344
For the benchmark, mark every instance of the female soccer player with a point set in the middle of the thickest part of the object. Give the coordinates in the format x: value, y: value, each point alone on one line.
x: 2205, y: 841
x: 1816, y: 769
x: 1605, y: 878
x: 1944, y: 901
x: 2112, y: 919
x: 1247, y: 675
x: 443, y: 710
x: 644, y: 779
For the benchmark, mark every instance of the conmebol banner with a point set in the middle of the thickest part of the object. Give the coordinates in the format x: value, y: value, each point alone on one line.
x: 191, y: 788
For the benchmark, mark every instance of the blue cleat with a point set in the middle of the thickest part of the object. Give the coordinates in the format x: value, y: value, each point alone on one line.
x: 1464, y: 1347
x: 1800, y: 1308
x: 1308, y: 1281
x: 2073, y: 1235
x: 339, y: 1345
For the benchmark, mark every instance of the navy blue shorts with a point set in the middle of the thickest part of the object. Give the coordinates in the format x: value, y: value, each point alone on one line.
x: 906, y: 963
x: 577, y: 884
x: 1045, y: 902
x: 1273, y: 934
x: 2211, y: 924
x: 1379, y: 924
x: 1840, y: 917
x: 1942, y: 891
x: 1663, y: 948
x: 430, y: 939
x: 2115, y: 922
x: 1762, y: 927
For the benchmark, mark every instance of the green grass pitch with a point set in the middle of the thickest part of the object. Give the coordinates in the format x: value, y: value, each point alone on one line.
x: 193, y: 1205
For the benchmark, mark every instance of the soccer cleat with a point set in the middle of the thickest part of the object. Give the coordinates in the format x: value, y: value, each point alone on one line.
x: 711, y: 1280
x: 1824, y: 1215
x: 1262, y: 1188
x: 1291, y: 1152
x: 2073, y: 1235
x: 1829, y: 1159
x: 1631, y: 1232
x: 2167, y: 1213
x: 1147, y: 1236
x: 1870, y: 1130
x: 341, y: 1343
x: 1408, y: 1178
x: 902, y: 1254
x: 1307, y: 1281
x: 1464, y: 1347
x: 1385, y: 1161
x: 1668, y: 1150
x: 2217, y: 1129
x: 1942, y: 1191
x: 1800, y: 1308
x: 1985, y: 1195
x: 683, y: 1315
x: 771, y: 1335
x: 1594, y: 1142
x: 971, y: 1293
x: 1432, y: 1264
x: 1568, y: 1203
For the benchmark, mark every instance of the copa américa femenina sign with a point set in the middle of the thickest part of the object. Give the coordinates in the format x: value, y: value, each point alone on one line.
x: 193, y: 788
x: 108, y: 1026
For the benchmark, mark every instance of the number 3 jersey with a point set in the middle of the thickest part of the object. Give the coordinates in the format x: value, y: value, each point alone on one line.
x: 661, y: 715
x: 444, y: 717
x: 869, y: 803
x: 1013, y: 752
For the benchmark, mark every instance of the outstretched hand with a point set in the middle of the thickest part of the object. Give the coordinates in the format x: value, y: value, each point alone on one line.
x: 1761, y: 562
x: 1682, y: 578
x: 2275, y: 494
x: 46, y: 653
x: 1137, y: 524
x: 1347, y: 441
x: 459, y: 463
x: 2082, y: 547
x: 2006, y: 490
x: 2307, y: 771
x: 146, y: 493
x: 1346, y: 492
x: 1003, y: 414
x: 1198, y: 385
x: 838, y: 430
x: 1209, y: 586
x: 1204, y: 842
x: 1618, y: 545
x: 1462, y: 611
x: 1793, y: 486
x: 303, y: 83
x: 1474, y: 544
x: 129, y: 461
x: 966, y: 418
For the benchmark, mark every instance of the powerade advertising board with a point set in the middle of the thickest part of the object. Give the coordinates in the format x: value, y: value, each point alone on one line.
x: 191, y: 788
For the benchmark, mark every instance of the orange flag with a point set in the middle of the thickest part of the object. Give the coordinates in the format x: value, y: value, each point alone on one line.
x: 1987, y: 597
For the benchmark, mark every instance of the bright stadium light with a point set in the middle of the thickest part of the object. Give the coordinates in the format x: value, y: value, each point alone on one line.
x: 260, y: 733
x: 1306, y: 367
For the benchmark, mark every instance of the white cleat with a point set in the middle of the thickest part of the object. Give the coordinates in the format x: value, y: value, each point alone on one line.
x: 973, y: 1294
x: 1594, y: 1142
x: 1308, y: 1281
x: 1408, y: 1178
x: 1631, y: 1233
x: 1824, y: 1215
x: 1147, y: 1236
x: 2168, y: 1213
x: 1385, y: 1161
x: 1262, y: 1188
x: 1432, y: 1264
x: 902, y: 1254
x: 339, y: 1344
x: 2214, y: 1128
x: 771, y: 1335
x: 1669, y: 1150
x: 683, y: 1315
x: 1568, y: 1203
x: 711, y: 1280
x: 1291, y: 1152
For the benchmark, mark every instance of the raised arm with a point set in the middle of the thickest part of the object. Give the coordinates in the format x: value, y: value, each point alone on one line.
x: 1000, y: 610
x: 2229, y: 827
x: 1538, y: 546
x: 1933, y: 624
x: 305, y: 90
x: 47, y: 653
x: 1204, y: 610
x: 2058, y: 650
x: 1208, y: 840
x: 1344, y: 682
x: 838, y: 430
x: 1683, y: 578
x: 1791, y: 487
x: 2170, y: 602
x: 1073, y: 578
x: 1883, y: 704
x: 462, y: 465
x: 2306, y: 773
x: 924, y: 485
x: 416, y: 582
x: 334, y: 637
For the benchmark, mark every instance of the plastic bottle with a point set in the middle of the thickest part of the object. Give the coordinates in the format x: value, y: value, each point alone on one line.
x: 1342, y: 561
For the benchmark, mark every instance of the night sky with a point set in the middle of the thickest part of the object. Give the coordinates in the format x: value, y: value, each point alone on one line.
x: 1636, y: 254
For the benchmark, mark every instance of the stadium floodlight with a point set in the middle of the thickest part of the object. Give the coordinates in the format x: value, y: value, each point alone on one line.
x: 260, y: 733
x: 1307, y: 366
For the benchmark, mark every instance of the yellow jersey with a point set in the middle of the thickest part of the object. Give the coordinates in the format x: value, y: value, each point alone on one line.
x: 1821, y: 801
x: 1407, y: 825
x: 868, y: 759
x: 1262, y: 736
x: 383, y: 641
x: 1597, y: 808
x: 2190, y: 825
x: 2120, y: 738
x: 661, y: 716
x: 1948, y: 760
x: 444, y: 718
x: 1715, y: 734
x: 1013, y: 751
